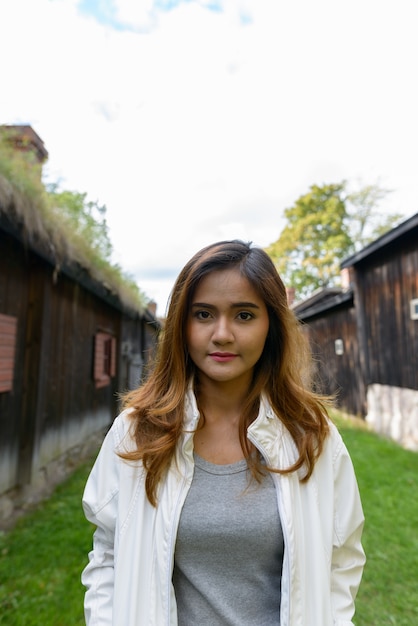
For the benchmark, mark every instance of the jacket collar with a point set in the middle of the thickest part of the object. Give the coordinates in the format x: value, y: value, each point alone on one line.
x: 271, y: 437
x: 266, y: 415
x: 266, y: 432
x: 191, y: 411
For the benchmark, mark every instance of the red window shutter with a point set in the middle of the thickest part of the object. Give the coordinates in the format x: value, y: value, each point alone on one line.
x: 101, y: 378
x: 104, y: 359
x: 8, y: 334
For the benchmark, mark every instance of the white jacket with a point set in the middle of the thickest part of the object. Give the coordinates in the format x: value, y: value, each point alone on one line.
x: 128, y: 578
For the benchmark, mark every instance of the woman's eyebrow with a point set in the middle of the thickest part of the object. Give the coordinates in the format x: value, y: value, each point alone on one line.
x: 203, y: 305
x: 235, y: 305
x: 246, y: 305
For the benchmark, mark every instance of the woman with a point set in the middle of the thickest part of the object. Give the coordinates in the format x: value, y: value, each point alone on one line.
x: 222, y: 494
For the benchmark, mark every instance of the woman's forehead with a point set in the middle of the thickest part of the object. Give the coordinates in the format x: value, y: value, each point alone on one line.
x: 228, y: 284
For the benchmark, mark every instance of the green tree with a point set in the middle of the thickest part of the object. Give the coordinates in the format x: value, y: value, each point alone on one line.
x: 323, y: 227
x: 366, y: 223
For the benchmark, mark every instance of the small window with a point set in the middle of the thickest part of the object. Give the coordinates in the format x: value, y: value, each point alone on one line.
x: 414, y: 309
x: 104, y: 359
x: 8, y: 333
x: 339, y: 347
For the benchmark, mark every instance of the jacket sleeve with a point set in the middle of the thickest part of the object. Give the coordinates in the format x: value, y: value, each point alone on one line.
x: 348, y: 556
x: 100, y: 501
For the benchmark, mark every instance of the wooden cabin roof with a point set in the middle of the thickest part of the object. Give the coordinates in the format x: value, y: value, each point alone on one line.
x: 23, y: 219
x: 322, y: 300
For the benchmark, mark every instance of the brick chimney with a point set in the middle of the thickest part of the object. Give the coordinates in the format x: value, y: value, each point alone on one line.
x: 152, y: 307
x: 24, y: 139
x: 346, y: 277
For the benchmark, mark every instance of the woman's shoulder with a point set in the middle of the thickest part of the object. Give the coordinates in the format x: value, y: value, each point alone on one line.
x: 334, y: 437
x: 334, y: 452
x: 121, y: 431
x: 105, y: 480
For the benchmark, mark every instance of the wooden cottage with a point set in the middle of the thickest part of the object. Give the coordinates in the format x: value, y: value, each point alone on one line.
x: 68, y: 344
x: 384, y: 278
x: 365, y: 338
x: 329, y: 319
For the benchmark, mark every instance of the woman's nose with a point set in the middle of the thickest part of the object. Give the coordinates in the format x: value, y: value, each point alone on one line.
x: 222, y: 332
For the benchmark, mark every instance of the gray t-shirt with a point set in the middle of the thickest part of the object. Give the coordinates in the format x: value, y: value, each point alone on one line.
x: 229, y: 550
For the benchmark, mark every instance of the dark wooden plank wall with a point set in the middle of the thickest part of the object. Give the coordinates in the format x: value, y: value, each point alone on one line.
x: 137, y: 350
x: 132, y: 357
x: 73, y: 317
x: 337, y: 375
x: 54, y: 402
x: 386, y: 288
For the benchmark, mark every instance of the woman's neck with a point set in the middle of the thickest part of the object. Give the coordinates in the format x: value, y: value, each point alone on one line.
x: 221, y: 407
x: 220, y: 400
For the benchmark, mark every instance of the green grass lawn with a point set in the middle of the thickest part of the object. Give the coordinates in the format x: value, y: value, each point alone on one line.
x: 42, y: 557
x: 41, y: 560
x: 388, y: 481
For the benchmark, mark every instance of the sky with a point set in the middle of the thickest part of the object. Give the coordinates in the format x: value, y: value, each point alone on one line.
x: 200, y: 120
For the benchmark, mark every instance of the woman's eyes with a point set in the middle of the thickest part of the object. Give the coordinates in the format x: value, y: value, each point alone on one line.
x: 202, y: 315
x: 242, y: 316
x: 245, y: 315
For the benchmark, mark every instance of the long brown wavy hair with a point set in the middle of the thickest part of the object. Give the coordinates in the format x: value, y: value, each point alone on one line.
x: 282, y: 372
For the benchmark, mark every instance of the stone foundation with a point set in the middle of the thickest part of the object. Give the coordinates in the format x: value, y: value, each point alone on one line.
x: 19, y: 501
x: 393, y: 412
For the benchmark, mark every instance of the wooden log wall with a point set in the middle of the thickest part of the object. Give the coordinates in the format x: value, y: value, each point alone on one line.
x: 385, y: 288
x: 57, y: 398
x: 337, y: 374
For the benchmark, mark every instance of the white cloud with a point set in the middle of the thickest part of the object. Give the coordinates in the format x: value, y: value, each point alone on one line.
x: 194, y: 125
x: 136, y: 14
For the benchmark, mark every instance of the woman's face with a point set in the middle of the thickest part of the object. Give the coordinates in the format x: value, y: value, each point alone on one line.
x: 227, y: 327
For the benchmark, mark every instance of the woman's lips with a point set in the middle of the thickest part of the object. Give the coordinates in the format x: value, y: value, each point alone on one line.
x: 222, y: 357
